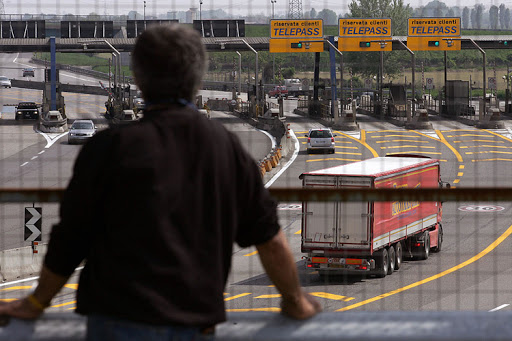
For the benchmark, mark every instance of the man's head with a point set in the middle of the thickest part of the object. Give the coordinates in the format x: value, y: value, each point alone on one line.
x: 168, y: 62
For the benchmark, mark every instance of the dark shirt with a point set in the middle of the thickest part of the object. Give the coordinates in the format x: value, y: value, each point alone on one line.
x: 154, y: 208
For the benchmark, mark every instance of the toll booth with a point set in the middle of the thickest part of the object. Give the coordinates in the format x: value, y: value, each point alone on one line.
x: 397, y: 101
x: 457, y: 99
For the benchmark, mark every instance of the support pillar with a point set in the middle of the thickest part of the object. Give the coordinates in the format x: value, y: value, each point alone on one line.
x: 53, y: 74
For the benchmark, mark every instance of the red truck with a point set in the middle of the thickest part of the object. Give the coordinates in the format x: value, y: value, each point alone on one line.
x: 372, y: 237
x: 278, y: 91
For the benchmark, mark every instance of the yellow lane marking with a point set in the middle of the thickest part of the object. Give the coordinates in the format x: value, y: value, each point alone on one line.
x: 271, y: 286
x: 473, y: 259
x: 273, y: 310
x: 461, y: 166
x: 63, y: 304
x: 23, y: 287
x: 456, y: 181
x: 8, y: 299
x: 416, y: 152
x: 348, y: 153
x: 489, y: 152
x: 269, y: 296
x: 473, y: 135
x: 298, y: 232
x: 385, y: 131
x: 406, y: 146
x: 491, y: 139
x: 499, y: 135
x: 460, y: 173
x: 333, y: 159
x: 443, y: 140
x: 331, y: 296
x: 378, y: 136
x: 485, y: 146
x: 496, y: 159
x: 301, y: 137
x: 72, y: 308
x: 251, y: 254
x: 72, y: 286
x: 236, y: 296
x: 414, y: 141
x: 362, y: 141
x: 346, y: 147
x: 301, y: 132
x: 349, y: 142
x: 427, y: 136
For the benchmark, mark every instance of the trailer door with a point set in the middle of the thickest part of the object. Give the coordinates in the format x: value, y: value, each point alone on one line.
x: 319, y: 218
x: 353, y: 228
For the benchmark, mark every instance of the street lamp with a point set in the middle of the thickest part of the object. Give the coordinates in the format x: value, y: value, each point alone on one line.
x: 144, y: 12
x: 200, y: 12
x: 273, y: 2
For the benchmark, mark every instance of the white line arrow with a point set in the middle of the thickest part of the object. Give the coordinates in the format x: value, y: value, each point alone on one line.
x: 30, y: 224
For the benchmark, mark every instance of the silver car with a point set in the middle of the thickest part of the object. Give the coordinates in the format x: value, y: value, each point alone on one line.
x: 320, y: 139
x: 5, y: 82
x: 80, y: 131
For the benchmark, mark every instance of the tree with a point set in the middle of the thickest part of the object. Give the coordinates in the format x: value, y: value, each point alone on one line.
x: 473, y: 18
x: 329, y: 16
x: 506, y: 18
x: 465, y: 18
x: 502, y: 16
x: 494, y: 17
x: 450, y: 13
x: 312, y: 13
x: 479, y: 9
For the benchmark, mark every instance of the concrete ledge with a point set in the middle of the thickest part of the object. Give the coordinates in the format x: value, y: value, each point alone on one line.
x: 21, y: 262
x: 361, y: 326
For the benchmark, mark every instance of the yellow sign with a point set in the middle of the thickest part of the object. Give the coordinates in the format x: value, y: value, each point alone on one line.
x: 364, y: 27
x: 297, y: 28
x: 295, y: 45
x: 369, y: 44
x: 434, y: 27
x: 432, y: 44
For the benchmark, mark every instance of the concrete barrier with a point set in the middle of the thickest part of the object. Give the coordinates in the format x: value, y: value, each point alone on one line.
x: 21, y: 262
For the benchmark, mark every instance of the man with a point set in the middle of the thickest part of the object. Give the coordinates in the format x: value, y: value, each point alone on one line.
x: 154, y: 208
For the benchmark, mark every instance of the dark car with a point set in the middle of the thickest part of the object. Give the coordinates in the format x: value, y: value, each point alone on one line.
x: 27, y: 110
x: 28, y: 72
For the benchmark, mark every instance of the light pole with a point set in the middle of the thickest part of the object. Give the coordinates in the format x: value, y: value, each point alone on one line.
x: 200, y: 12
x: 273, y: 2
x: 144, y: 12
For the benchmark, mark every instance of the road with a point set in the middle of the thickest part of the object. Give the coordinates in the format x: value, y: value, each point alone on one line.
x: 472, y: 272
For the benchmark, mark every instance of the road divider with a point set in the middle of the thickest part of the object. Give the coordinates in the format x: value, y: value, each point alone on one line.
x: 21, y: 262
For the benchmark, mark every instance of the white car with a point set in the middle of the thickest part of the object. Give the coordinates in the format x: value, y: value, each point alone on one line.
x: 5, y: 82
x: 320, y: 139
x: 80, y: 131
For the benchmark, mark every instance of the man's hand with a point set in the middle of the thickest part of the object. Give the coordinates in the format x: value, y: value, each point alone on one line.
x: 22, y: 309
x: 301, y: 308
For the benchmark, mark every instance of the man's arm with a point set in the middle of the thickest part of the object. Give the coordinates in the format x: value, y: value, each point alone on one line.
x: 32, y: 307
x: 279, y: 264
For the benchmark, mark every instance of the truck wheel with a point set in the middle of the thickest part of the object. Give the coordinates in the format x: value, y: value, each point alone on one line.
x: 425, y: 250
x: 392, y: 259
x: 308, y: 151
x: 439, y: 240
x: 398, y: 255
x: 382, y: 263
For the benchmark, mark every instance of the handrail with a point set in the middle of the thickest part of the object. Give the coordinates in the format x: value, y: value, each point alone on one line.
x: 21, y: 195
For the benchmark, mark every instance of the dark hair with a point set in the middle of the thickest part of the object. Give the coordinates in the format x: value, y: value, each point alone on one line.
x: 168, y: 61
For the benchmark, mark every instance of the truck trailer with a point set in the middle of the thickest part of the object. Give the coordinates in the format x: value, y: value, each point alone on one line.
x: 371, y: 237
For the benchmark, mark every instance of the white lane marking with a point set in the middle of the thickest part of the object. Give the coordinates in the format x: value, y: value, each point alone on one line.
x: 28, y: 279
x: 51, y: 138
x: 499, y: 308
x: 24, y: 164
x: 288, y: 164
x: 14, y: 61
x: 41, y: 152
x: 33, y: 158
x: 272, y: 138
